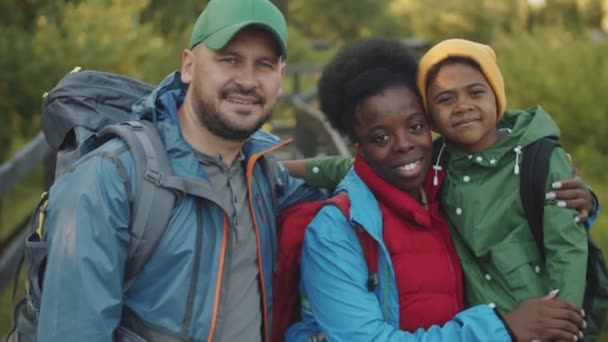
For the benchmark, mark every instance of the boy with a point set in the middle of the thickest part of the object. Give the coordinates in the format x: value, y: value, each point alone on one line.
x: 463, y: 91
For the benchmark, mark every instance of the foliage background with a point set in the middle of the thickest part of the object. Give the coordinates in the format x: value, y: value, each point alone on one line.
x: 553, y: 52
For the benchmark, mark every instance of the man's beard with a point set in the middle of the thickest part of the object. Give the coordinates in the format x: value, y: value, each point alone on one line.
x: 219, y: 124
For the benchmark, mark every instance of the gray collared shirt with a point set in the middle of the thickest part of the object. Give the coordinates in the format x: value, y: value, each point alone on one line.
x: 240, y: 311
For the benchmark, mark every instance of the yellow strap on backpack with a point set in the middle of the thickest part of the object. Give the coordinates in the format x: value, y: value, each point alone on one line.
x: 44, y: 202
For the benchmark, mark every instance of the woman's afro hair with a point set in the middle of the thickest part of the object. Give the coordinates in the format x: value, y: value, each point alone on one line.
x: 361, y: 69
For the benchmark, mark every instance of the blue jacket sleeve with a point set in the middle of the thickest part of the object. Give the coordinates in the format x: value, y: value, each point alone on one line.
x: 87, y: 236
x: 593, y: 216
x: 333, y: 281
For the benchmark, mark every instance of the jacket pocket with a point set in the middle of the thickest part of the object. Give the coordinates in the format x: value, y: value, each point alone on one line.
x: 519, y: 264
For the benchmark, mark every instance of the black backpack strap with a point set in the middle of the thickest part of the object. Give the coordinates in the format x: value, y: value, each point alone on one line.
x: 153, y: 202
x: 534, y: 172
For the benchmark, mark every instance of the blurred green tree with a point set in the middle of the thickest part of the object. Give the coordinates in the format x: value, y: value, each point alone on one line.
x: 335, y: 20
x: 172, y: 18
x: 565, y: 73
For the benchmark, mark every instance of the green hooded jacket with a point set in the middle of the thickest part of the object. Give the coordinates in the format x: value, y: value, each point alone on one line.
x: 481, y: 198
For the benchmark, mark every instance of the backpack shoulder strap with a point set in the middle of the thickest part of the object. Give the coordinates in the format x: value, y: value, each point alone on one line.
x: 341, y: 201
x: 534, y: 172
x: 369, y: 245
x: 153, y: 203
x: 370, y: 253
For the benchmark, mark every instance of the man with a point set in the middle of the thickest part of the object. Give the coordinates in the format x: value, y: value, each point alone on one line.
x: 210, y: 276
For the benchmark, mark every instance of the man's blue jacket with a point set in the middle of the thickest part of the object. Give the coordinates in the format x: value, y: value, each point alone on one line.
x: 176, y: 295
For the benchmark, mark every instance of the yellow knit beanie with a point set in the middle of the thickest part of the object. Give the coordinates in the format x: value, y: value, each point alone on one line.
x: 480, y: 53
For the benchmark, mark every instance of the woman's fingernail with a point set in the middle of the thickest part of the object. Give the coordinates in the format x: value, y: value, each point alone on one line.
x: 584, y: 324
x: 577, y: 220
x: 583, y: 312
x: 575, y: 338
x: 554, y: 291
x: 580, y: 334
x: 557, y: 185
x: 561, y: 204
x: 550, y: 195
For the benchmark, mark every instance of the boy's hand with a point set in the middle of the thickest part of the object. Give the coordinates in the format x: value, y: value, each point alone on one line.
x: 546, y: 318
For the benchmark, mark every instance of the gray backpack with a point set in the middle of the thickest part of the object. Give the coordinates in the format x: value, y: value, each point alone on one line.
x: 84, y: 110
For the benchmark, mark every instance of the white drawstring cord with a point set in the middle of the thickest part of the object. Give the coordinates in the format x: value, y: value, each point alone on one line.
x: 517, y: 151
x: 436, y: 167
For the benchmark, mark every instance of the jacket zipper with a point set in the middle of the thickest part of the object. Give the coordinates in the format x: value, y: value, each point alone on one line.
x: 199, y: 246
x: 387, y: 274
x: 218, y: 282
x: 260, y: 206
x: 451, y: 272
x: 439, y: 236
x: 249, y: 173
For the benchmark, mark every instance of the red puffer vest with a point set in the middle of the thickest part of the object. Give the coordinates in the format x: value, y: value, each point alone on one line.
x: 427, y: 270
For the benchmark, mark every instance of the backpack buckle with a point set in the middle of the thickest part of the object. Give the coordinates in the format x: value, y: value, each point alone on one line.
x: 153, y: 177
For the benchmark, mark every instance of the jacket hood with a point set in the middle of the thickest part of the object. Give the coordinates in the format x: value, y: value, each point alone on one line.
x: 529, y: 125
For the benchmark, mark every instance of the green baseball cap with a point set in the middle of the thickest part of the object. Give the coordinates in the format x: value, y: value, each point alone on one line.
x: 222, y: 19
